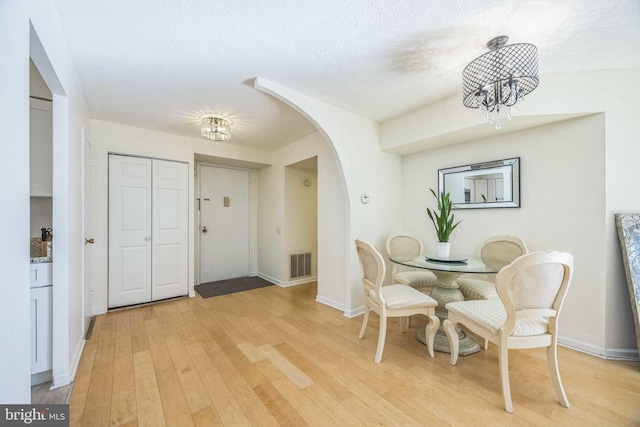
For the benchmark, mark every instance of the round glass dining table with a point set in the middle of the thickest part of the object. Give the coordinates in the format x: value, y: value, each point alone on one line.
x: 447, y: 270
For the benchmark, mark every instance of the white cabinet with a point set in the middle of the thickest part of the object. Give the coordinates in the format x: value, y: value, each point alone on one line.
x: 41, y: 148
x: 41, y: 329
x: 40, y: 275
x: 41, y: 282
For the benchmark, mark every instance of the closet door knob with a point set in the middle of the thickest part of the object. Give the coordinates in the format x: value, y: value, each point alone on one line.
x: 147, y: 238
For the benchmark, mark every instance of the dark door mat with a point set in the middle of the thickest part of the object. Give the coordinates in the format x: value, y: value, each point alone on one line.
x: 229, y: 286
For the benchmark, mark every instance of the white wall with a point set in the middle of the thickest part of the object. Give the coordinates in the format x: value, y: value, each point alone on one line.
x: 41, y: 215
x: 271, y: 244
x: 15, y: 353
x: 562, y: 207
x: 110, y: 137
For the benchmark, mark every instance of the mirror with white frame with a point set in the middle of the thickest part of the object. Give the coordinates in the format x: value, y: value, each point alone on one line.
x: 494, y: 184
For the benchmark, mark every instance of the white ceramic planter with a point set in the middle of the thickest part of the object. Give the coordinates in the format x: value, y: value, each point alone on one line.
x: 443, y: 249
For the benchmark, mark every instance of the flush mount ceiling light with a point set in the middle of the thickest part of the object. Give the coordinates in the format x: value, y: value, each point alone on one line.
x: 216, y: 128
x: 499, y: 79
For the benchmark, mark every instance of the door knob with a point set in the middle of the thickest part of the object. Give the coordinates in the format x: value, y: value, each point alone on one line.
x: 204, y: 229
x: 147, y: 238
x: 88, y: 241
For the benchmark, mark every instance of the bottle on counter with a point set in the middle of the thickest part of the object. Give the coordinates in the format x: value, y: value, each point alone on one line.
x: 46, y: 234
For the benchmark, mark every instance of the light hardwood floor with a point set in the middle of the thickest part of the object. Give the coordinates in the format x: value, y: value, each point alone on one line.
x: 273, y: 356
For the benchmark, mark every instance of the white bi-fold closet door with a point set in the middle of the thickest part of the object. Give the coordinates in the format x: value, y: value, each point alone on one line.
x: 148, y: 230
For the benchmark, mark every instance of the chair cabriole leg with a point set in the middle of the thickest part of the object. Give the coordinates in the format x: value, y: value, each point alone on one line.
x: 364, y: 322
x: 503, y: 361
x: 554, y: 373
x: 450, y: 328
x: 430, y: 332
x: 381, y: 337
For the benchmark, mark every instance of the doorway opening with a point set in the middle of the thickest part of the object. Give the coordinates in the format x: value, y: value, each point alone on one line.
x: 301, y: 220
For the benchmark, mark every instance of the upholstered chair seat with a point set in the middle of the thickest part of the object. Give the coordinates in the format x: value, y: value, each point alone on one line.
x: 402, y: 296
x: 477, y: 289
x: 491, y: 315
x: 415, y: 279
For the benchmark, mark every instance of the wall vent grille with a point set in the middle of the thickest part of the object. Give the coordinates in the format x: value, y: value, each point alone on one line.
x: 300, y: 265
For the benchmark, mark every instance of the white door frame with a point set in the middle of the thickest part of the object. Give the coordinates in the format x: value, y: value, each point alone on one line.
x: 198, y: 226
x: 87, y: 295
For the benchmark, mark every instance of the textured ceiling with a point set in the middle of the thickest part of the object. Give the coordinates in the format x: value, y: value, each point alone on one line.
x: 160, y: 64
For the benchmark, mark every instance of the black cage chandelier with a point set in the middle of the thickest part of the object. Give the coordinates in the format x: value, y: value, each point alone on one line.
x: 499, y: 79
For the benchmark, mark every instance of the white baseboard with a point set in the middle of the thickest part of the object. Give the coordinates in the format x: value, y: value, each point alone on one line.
x: 622, y: 354
x: 76, y: 358
x: 290, y: 283
x: 269, y: 278
x: 607, y: 353
x: 100, y: 310
x: 331, y: 303
x: 61, y: 380
x: 41, y: 377
x: 355, y: 312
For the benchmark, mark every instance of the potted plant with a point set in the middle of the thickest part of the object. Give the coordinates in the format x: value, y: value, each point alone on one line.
x: 443, y: 222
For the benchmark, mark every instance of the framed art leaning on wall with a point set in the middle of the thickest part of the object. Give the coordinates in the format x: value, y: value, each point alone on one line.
x: 628, y: 225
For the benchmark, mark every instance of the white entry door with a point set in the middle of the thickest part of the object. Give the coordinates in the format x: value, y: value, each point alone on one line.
x: 224, y: 223
x: 148, y: 230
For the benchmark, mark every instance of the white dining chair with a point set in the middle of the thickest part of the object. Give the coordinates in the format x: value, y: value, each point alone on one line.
x: 495, y: 252
x: 391, y: 300
x: 411, y: 246
x: 531, y: 292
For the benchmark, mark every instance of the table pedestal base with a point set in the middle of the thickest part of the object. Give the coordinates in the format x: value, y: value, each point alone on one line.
x: 446, y: 291
x: 467, y: 344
